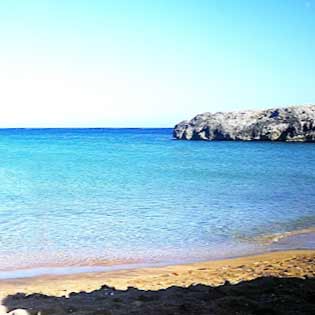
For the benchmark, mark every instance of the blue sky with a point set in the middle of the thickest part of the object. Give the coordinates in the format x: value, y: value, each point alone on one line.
x: 151, y: 63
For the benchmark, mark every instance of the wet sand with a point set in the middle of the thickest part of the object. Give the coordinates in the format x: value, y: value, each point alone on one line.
x: 287, y: 264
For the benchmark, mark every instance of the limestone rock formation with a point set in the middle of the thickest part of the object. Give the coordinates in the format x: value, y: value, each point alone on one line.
x: 296, y: 123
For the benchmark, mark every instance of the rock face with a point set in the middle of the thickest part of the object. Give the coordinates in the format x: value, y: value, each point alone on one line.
x: 296, y: 123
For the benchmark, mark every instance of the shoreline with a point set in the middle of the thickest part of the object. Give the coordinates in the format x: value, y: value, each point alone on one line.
x: 101, y: 266
x: 289, y: 263
x: 285, y: 279
x: 275, y: 238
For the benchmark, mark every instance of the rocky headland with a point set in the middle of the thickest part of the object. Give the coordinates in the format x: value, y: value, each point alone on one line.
x: 290, y: 124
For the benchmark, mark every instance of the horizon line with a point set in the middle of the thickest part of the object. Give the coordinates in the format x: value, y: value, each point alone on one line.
x: 32, y: 128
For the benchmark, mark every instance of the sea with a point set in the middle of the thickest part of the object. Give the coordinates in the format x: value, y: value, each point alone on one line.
x: 77, y: 200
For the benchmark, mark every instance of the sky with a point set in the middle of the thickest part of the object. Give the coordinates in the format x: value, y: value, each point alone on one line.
x: 143, y: 63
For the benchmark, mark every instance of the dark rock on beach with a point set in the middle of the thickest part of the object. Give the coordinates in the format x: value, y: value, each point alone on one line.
x: 281, y: 283
x: 296, y: 123
x: 268, y: 295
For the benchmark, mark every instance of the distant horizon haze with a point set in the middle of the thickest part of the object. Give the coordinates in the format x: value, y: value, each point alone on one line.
x: 161, y: 126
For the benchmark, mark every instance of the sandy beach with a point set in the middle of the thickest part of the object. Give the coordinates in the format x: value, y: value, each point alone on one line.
x: 128, y: 289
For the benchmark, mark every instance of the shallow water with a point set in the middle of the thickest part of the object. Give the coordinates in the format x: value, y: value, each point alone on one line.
x: 83, y: 196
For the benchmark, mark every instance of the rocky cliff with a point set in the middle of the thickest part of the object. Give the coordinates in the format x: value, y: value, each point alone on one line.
x: 296, y: 123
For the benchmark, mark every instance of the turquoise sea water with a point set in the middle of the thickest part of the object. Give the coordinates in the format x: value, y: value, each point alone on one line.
x: 79, y: 197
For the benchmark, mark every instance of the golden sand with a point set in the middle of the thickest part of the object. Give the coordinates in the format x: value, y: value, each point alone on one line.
x: 295, y: 263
